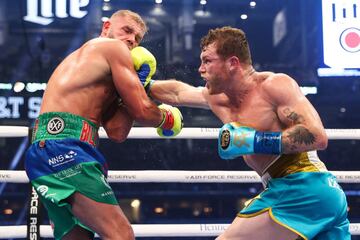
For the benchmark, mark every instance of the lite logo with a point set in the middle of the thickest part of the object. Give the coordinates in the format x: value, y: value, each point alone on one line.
x: 43, y: 12
x: 341, y: 33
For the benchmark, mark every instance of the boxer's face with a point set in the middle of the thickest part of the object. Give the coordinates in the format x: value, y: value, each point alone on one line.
x: 125, y: 29
x: 213, y: 69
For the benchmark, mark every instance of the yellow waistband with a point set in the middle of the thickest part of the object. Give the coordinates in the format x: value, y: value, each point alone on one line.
x: 288, y: 164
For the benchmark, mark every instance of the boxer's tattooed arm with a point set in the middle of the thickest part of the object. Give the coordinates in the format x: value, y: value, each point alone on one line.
x: 293, y: 116
x: 301, y: 135
x: 297, y: 138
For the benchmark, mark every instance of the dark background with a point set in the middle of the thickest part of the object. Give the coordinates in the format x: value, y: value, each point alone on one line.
x: 29, y: 52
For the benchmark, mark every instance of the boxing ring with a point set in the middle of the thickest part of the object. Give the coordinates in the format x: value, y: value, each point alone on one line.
x: 153, y: 176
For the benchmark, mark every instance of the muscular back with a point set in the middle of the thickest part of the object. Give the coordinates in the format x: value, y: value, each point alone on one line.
x: 82, y: 83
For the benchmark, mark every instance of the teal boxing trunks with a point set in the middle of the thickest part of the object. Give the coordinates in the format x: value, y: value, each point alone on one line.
x: 311, y: 204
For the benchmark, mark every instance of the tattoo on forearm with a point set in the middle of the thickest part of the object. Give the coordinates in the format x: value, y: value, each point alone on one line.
x: 293, y: 116
x: 301, y: 135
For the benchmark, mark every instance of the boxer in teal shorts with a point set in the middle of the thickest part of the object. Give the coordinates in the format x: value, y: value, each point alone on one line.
x: 271, y: 126
x: 308, y: 202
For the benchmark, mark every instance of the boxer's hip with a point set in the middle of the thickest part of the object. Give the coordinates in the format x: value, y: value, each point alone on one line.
x: 287, y: 164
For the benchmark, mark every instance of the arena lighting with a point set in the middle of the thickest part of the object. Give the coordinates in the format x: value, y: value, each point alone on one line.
x: 8, y: 211
x: 104, y: 19
x: 159, y: 210
x: 135, y: 203
x: 243, y: 16
x: 203, y: 2
x: 252, y: 4
x: 6, y: 86
x: 207, y: 209
x: 158, y: 1
x: 196, y: 212
x: 106, y: 0
x: 308, y: 90
x: 337, y: 72
x: 106, y: 7
x: 158, y: 10
x: 202, y: 13
x: 33, y: 87
x: 19, y: 86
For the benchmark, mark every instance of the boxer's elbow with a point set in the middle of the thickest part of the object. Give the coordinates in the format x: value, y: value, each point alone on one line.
x: 322, y: 141
x: 118, y: 136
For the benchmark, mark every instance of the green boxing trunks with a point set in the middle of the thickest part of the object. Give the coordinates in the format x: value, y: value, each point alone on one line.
x: 62, y: 160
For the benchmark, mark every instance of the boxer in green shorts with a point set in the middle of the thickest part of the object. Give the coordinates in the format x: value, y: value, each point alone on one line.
x: 62, y: 160
x: 63, y: 164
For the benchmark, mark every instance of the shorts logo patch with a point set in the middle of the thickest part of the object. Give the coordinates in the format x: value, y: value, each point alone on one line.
x: 42, y: 189
x: 225, y: 139
x: 55, y: 125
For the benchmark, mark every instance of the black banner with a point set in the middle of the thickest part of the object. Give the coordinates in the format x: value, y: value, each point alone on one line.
x: 34, y: 216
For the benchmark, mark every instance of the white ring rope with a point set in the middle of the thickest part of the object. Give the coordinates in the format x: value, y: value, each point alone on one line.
x: 170, y: 230
x: 166, y: 176
x: 148, y: 230
x: 186, y: 133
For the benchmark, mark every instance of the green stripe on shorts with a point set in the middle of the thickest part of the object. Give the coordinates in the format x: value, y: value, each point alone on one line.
x: 85, y: 178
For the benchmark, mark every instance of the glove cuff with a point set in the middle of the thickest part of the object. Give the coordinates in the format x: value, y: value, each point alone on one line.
x: 267, y: 142
x: 167, y: 121
x: 148, y: 86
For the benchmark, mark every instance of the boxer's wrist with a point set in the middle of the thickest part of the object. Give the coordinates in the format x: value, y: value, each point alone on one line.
x: 267, y: 142
x: 148, y: 86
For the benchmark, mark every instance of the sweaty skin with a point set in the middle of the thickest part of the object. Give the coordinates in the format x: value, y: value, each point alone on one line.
x: 82, y: 84
x: 89, y: 83
x: 90, y: 80
x: 264, y: 101
x: 261, y: 111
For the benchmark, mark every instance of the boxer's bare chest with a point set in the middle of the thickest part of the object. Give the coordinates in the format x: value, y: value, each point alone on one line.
x: 255, y: 111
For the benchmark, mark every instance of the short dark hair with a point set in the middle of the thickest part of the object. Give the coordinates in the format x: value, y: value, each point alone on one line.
x: 229, y: 42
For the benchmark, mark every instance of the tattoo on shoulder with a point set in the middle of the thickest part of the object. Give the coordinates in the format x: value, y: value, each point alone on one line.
x: 293, y: 116
x: 301, y: 135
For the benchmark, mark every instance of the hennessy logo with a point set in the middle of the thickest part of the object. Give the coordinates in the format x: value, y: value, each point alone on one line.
x: 46, y: 14
x: 240, y: 140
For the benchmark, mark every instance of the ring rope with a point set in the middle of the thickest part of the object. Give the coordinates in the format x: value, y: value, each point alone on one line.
x: 148, y: 230
x: 186, y: 133
x: 165, y: 176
